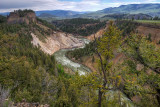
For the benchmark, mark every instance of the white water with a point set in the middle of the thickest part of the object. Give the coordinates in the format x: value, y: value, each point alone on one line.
x: 62, y: 59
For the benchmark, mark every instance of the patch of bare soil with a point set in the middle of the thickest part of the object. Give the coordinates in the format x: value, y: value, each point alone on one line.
x: 118, y: 58
x: 90, y: 64
x: 155, y: 32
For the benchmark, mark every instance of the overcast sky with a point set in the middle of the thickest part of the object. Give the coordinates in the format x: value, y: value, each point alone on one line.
x: 75, y: 5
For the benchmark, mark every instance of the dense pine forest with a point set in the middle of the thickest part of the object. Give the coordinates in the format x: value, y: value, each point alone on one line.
x: 80, y: 26
x: 126, y: 62
x: 23, y: 67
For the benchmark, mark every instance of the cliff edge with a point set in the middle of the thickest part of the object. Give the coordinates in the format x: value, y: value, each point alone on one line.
x: 19, y: 16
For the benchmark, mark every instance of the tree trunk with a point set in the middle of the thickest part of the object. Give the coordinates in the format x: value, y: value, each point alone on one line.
x: 158, y: 96
x: 99, y: 97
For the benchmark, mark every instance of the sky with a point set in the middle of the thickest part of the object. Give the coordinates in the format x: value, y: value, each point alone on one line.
x: 74, y: 5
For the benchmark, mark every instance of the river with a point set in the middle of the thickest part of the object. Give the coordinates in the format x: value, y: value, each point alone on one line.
x: 61, y: 58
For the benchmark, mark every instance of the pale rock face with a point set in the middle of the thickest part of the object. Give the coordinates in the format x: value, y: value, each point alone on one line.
x: 57, y: 41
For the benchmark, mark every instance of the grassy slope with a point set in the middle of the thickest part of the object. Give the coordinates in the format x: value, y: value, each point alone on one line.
x: 149, y: 21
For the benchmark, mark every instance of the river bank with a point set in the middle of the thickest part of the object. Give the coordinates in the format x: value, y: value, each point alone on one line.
x: 86, y: 61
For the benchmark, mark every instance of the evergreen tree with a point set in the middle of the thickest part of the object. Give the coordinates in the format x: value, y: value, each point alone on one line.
x: 105, y: 47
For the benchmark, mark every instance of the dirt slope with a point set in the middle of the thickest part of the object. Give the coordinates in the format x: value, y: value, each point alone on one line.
x: 155, y: 32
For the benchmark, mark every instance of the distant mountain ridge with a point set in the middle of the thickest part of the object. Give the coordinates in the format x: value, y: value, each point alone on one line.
x: 149, y: 9
x: 134, y: 9
x: 46, y: 15
x: 59, y: 13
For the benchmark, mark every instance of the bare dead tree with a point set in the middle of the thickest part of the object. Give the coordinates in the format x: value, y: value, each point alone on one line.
x: 4, y: 94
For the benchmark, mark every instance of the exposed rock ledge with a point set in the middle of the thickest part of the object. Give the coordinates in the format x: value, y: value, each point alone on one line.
x: 14, y: 17
x: 56, y: 41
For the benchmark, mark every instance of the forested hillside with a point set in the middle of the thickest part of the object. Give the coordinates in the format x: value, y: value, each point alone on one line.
x: 126, y: 64
x: 135, y: 63
x: 79, y: 26
x: 23, y: 68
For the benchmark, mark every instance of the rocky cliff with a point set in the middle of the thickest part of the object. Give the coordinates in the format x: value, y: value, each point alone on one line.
x: 56, y: 41
x: 44, y: 35
x: 19, y: 17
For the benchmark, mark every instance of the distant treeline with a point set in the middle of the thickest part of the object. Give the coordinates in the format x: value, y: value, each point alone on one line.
x: 139, y: 16
x: 127, y: 26
x: 79, y: 26
x: 22, y: 13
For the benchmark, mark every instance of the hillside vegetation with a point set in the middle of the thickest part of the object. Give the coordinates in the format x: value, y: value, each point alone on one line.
x: 149, y: 21
x: 79, y: 26
x: 23, y: 67
x: 135, y: 64
x: 127, y: 65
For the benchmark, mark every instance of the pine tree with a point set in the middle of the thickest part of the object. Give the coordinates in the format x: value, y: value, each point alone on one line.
x: 142, y: 69
x: 105, y: 47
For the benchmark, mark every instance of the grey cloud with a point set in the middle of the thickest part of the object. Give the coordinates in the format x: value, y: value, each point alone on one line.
x: 83, y: 5
x: 9, y: 4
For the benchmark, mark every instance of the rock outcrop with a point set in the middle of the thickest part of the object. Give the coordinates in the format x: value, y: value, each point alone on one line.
x: 16, y: 17
x: 56, y: 41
